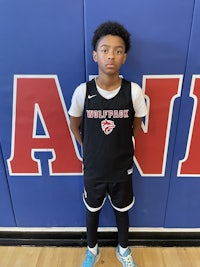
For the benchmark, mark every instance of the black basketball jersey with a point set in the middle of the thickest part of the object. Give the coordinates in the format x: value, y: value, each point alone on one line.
x: 107, y: 129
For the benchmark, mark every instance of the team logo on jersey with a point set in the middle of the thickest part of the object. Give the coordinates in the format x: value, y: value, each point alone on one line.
x: 107, y: 126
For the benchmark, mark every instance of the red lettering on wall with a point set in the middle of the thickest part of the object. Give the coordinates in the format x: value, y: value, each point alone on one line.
x: 189, y: 166
x: 152, y: 143
x: 41, y: 97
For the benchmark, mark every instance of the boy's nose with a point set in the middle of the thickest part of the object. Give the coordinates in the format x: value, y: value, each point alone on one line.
x: 110, y: 55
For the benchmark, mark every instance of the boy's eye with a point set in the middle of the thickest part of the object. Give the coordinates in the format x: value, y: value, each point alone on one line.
x: 118, y: 52
x: 105, y: 51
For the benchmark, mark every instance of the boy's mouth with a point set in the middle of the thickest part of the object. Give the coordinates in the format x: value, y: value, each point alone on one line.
x: 110, y: 65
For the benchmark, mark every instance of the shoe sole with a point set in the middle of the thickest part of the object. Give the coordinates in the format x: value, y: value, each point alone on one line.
x: 97, y: 259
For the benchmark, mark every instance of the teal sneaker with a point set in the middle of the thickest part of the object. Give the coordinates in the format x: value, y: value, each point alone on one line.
x: 126, y: 259
x: 90, y: 259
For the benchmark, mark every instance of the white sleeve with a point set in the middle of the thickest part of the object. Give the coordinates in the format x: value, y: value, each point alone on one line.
x: 138, y: 99
x: 78, y: 100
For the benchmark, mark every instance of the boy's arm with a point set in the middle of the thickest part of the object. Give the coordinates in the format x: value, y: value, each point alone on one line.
x: 136, y: 126
x: 75, y: 124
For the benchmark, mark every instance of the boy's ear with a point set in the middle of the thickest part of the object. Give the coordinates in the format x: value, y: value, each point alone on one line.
x: 95, y: 56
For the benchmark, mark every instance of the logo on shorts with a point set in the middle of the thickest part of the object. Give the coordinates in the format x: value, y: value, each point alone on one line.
x: 130, y: 171
x: 107, y: 126
x: 85, y: 193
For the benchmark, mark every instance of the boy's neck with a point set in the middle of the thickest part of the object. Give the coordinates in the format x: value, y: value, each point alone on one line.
x: 108, y: 83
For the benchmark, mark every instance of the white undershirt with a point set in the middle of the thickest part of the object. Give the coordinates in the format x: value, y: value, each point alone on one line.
x: 108, y: 94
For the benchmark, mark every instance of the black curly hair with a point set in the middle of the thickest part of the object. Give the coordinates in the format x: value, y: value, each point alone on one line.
x: 112, y: 28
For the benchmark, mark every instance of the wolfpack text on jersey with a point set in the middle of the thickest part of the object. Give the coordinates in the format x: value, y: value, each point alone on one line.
x: 102, y: 114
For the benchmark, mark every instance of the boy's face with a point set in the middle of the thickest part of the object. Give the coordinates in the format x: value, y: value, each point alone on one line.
x: 110, y: 54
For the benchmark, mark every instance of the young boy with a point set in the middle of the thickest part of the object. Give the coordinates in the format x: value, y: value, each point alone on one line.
x: 105, y: 114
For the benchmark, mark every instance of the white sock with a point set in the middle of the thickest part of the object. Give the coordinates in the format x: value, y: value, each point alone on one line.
x: 94, y: 249
x: 122, y: 250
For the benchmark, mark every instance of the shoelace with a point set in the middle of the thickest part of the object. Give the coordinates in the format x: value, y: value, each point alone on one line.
x: 129, y: 261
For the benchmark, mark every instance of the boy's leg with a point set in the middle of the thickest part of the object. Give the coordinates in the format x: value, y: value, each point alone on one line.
x: 122, y: 221
x: 92, y: 222
x: 122, y: 199
x: 92, y: 253
x: 123, y: 252
x: 93, y: 197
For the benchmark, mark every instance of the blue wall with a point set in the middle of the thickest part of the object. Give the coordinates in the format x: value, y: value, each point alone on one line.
x: 41, y: 39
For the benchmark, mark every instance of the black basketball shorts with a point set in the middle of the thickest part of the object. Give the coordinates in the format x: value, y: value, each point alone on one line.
x: 120, y: 195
